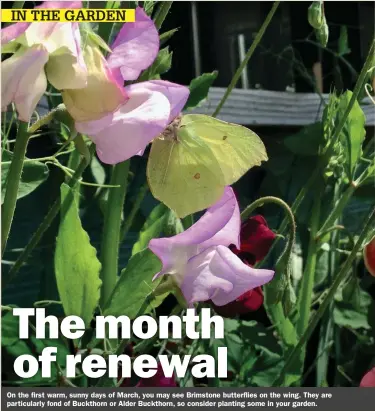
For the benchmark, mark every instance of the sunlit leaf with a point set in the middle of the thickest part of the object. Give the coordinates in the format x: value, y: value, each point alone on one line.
x: 33, y: 175
x: 199, y: 88
x: 77, y: 267
x: 152, y: 228
x: 353, y: 133
x: 134, y: 285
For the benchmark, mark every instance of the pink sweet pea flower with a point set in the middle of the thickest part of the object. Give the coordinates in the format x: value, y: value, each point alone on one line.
x: 368, y: 379
x: 147, y: 108
x: 135, y: 47
x: 102, y: 95
x: 150, y: 107
x: 42, y: 50
x: 199, y: 259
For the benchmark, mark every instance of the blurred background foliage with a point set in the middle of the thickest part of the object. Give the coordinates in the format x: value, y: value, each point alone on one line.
x: 287, y: 58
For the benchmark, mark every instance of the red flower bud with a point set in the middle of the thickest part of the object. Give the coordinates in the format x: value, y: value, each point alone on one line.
x: 369, y: 379
x: 369, y: 256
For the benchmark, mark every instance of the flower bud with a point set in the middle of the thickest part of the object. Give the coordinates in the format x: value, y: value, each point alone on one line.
x: 322, y: 34
x: 315, y: 14
x: 368, y: 379
x: 369, y: 256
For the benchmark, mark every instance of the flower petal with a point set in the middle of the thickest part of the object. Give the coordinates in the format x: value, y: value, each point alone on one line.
x: 124, y: 133
x: 256, y: 238
x: 135, y: 47
x: 220, y: 225
x: 175, y: 93
x: 60, y: 5
x: 369, y: 379
x: 158, y: 380
x: 369, y: 256
x: 23, y: 80
x: 246, y: 303
x: 13, y: 31
x: 37, y: 33
x: 66, y: 68
x: 102, y: 95
x: 219, y: 275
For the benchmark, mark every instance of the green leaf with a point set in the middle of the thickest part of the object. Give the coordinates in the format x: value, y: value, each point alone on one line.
x: 76, y: 264
x: 322, y: 34
x: 62, y: 349
x: 352, y: 306
x: 97, y: 41
x: 315, y: 14
x: 173, y: 224
x: 349, y: 318
x: 152, y: 228
x: 134, y: 285
x: 97, y: 171
x: 322, y: 263
x: 188, y: 221
x: 18, y: 4
x: 33, y: 175
x: 167, y: 35
x: 343, y: 41
x: 10, y: 48
x: 266, y: 369
x: 148, y: 6
x: 235, y: 351
x: 19, y: 348
x: 162, y: 64
x: 105, y: 28
x: 259, y: 336
x: 199, y: 89
x: 353, y: 133
x: 82, y: 148
x: 307, y: 141
x: 9, y: 329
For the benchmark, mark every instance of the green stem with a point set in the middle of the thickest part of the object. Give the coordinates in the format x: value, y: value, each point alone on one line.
x: 338, y: 209
x: 276, y: 311
x: 248, y: 56
x: 111, y: 230
x: 137, y: 203
x: 6, y: 140
x: 308, y: 277
x: 13, y: 183
x: 60, y: 109
x: 74, y: 160
x: 48, y: 219
x: 369, y: 221
x: 162, y: 13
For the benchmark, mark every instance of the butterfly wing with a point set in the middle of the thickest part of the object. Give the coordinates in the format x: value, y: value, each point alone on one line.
x: 236, y: 148
x: 184, y: 174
